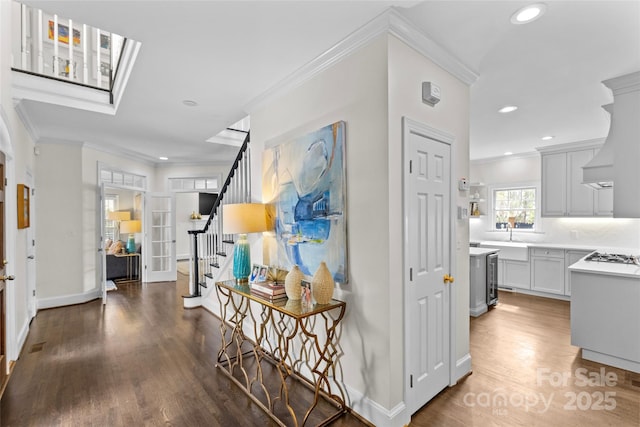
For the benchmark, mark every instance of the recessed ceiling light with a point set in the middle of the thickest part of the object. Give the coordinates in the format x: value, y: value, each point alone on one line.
x: 547, y: 138
x: 507, y: 109
x: 189, y: 103
x: 528, y: 13
x: 163, y: 158
x: 508, y: 153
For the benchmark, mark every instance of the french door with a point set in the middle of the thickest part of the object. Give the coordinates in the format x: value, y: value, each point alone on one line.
x: 161, y: 237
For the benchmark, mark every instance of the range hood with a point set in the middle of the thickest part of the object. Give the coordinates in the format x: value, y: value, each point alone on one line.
x: 623, y: 139
x: 598, y: 173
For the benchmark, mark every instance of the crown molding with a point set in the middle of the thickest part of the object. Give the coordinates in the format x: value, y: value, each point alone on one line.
x: 389, y: 22
x: 576, y: 145
x: 504, y: 158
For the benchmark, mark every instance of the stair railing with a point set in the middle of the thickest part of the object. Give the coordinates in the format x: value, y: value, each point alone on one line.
x: 208, y: 244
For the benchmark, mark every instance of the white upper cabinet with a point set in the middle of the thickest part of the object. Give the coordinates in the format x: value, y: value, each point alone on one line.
x: 563, y: 193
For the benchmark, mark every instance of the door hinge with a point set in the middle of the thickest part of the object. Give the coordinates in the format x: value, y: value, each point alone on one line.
x: 5, y: 182
x: 410, y: 166
x: 34, y: 293
x: 411, y: 274
x: 411, y: 381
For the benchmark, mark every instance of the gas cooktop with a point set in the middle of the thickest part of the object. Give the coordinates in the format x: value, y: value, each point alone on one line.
x: 617, y: 258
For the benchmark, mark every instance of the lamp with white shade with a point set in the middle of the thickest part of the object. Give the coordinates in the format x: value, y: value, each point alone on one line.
x: 118, y: 216
x: 241, y: 219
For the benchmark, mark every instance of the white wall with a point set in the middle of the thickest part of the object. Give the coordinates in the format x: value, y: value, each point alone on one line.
x: 354, y: 90
x: 18, y: 148
x: 67, y: 183
x: 596, y: 232
x: 371, y: 90
x: 407, y: 70
x: 186, y: 203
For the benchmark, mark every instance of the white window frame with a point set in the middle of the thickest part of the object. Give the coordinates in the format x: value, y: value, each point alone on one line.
x: 190, y: 184
x: 491, y: 198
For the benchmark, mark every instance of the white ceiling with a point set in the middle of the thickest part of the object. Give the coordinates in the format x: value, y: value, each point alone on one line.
x: 224, y: 55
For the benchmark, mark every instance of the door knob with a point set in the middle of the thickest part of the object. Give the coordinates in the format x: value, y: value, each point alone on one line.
x: 448, y: 279
x: 3, y: 278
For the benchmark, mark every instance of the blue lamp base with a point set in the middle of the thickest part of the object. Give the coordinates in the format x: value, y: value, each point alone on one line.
x: 242, y: 259
x: 131, y: 244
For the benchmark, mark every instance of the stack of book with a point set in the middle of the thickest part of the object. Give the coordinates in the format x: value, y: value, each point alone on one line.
x: 270, y: 291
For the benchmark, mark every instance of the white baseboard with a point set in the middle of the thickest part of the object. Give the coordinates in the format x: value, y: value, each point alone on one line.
x: 607, y: 359
x: 477, y: 311
x: 68, y: 299
x: 22, y: 336
x: 463, y: 367
x: 192, y: 302
x: 375, y: 413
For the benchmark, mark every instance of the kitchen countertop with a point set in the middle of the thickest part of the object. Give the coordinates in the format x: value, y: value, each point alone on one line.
x: 609, y: 268
x: 566, y: 246
x: 482, y: 251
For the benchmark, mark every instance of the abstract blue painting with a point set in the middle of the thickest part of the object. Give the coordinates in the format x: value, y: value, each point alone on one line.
x: 308, y: 178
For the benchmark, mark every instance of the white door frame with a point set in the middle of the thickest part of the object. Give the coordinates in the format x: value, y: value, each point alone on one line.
x: 30, y: 239
x: 102, y: 187
x: 409, y: 126
x: 10, y: 229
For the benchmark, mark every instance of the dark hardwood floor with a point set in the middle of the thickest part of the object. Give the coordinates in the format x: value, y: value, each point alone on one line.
x: 144, y: 360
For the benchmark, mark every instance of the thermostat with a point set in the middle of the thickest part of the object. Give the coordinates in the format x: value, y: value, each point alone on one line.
x: 430, y: 93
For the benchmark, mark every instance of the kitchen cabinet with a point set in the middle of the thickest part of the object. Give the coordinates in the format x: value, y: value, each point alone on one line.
x: 482, y: 280
x: 548, y: 270
x: 563, y: 193
x: 515, y: 274
x: 571, y: 257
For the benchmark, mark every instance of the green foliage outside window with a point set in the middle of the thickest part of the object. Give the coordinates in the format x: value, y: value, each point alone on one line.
x: 519, y: 203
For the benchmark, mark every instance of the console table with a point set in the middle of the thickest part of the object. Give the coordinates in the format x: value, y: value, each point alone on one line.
x: 293, y: 344
x: 133, y: 267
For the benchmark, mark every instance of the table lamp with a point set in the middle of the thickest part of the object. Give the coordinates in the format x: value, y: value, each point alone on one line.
x: 131, y: 227
x: 118, y: 216
x: 241, y: 219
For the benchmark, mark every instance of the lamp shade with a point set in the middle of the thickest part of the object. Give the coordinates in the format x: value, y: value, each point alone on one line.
x: 133, y: 226
x: 118, y: 216
x: 245, y: 218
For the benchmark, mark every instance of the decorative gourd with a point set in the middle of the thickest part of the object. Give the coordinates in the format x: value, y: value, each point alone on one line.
x: 322, y: 284
x: 292, y: 283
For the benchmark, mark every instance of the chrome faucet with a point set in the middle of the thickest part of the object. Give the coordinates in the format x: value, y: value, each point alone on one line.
x: 510, y: 230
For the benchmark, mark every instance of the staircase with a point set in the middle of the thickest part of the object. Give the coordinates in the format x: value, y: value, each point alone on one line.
x: 210, y: 249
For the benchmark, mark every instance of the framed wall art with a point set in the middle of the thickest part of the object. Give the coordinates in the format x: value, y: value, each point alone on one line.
x: 309, y: 181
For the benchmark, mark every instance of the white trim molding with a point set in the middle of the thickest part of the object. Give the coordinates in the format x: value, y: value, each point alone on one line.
x: 391, y: 21
x: 463, y: 367
x: 375, y: 413
x: 72, y: 299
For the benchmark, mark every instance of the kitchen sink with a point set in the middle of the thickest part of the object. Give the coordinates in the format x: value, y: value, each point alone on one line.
x: 516, y: 251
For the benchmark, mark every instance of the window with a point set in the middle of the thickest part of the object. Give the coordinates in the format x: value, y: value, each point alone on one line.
x: 111, y: 202
x: 516, y: 206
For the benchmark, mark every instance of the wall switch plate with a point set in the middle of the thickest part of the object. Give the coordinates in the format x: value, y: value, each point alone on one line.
x: 463, y: 212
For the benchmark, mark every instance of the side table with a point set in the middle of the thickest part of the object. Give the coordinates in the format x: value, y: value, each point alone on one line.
x: 133, y: 266
x: 291, y: 341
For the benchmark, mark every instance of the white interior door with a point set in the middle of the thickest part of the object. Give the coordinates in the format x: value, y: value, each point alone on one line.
x: 427, y: 197
x: 30, y: 235
x: 160, y: 231
x: 101, y: 243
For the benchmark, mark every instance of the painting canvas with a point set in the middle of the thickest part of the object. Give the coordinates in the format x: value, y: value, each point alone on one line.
x: 307, y: 178
x: 63, y: 34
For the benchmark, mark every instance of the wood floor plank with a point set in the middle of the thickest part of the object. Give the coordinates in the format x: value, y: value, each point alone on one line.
x: 143, y: 360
